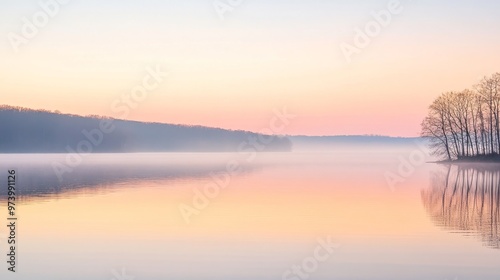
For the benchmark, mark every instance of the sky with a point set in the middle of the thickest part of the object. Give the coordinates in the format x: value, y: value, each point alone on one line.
x: 234, y: 63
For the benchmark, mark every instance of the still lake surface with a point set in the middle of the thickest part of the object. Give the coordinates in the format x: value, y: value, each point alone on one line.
x: 118, y: 215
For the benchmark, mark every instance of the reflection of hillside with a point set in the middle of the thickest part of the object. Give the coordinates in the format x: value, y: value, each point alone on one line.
x: 466, y: 198
x: 37, y: 178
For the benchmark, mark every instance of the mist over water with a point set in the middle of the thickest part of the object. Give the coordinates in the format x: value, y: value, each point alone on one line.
x: 115, y: 211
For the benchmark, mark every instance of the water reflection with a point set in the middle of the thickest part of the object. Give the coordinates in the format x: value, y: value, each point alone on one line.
x: 466, y: 198
x: 36, y: 176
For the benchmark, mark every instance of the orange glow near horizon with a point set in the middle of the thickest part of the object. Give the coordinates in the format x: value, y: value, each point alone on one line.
x: 233, y: 74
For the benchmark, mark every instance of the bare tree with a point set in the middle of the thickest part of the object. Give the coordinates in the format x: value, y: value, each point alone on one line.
x: 467, y: 123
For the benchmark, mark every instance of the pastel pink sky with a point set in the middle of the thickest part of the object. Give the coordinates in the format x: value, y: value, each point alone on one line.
x: 263, y: 56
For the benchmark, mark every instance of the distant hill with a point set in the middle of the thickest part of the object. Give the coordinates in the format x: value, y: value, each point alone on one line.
x: 328, y: 142
x: 25, y: 130
x: 355, y: 139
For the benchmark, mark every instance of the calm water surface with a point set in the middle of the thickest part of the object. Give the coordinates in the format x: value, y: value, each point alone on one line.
x: 122, y: 214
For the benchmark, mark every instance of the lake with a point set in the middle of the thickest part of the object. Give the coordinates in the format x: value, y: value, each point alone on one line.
x: 346, y: 213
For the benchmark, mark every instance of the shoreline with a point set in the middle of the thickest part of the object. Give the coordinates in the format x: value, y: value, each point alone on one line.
x: 491, y: 158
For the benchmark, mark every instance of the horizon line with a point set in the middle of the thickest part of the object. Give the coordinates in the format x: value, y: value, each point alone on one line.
x: 58, y: 112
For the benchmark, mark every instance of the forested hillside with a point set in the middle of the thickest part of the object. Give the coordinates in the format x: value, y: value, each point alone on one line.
x: 39, y: 131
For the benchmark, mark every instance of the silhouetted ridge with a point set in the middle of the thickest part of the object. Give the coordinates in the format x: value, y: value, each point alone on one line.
x: 40, y: 131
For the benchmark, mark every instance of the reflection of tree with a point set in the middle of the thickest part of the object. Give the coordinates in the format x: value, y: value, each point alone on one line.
x: 466, y: 198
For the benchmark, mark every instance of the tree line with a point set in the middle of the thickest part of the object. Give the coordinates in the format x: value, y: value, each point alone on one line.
x: 25, y: 130
x: 466, y: 124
